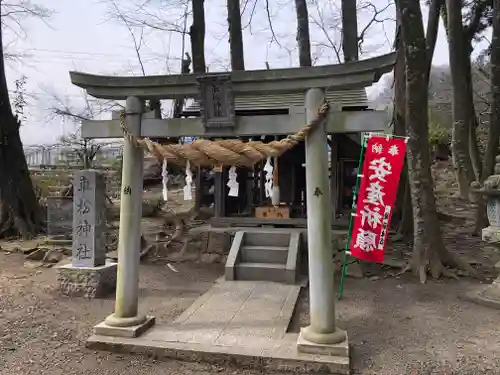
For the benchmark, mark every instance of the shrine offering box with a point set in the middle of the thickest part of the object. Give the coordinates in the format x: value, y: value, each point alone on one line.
x: 272, y: 212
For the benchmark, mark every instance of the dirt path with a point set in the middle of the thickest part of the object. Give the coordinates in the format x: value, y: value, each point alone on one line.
x: 394, y: 325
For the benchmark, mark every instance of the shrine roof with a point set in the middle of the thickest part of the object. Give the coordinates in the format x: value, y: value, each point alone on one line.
x: 340, y: 77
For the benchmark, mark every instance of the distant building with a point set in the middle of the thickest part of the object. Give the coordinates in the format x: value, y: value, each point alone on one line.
x: 52, y: 155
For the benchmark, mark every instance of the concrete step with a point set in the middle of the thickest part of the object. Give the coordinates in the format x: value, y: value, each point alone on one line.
x: 267, y: 238
x: 261, y: 271
x: 264, y: 254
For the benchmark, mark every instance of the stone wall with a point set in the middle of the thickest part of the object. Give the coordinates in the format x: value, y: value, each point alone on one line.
x: 212, y: 245
x: 52, y: 180
x: 201, y: 246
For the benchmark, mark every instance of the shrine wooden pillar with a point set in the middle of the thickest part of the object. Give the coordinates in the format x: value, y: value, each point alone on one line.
x: 219, y: 194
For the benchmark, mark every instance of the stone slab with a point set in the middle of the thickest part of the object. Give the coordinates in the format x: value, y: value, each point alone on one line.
x: 339, y: 350
x: 488, y: 296
x: 280, y: 355
x: 60, y: 217
x: 239, y: 322
x: 104, y: 329
x: 88, y: 282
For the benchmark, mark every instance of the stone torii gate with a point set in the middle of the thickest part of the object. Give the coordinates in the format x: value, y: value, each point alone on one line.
x: 312, y: 81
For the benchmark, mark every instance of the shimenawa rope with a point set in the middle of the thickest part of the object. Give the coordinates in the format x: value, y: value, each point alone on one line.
x: 229, y: 152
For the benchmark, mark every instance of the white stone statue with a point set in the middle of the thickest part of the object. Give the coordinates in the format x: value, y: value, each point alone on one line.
x: 164, y: 179
x: 188, y: 195
x: 268, y: 185
x: 232, y: 184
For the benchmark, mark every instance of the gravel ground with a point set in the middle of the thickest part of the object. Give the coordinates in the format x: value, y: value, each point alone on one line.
x: 395, y: 325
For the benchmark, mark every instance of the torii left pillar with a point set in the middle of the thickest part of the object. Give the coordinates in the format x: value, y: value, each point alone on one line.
x: 126, y: 321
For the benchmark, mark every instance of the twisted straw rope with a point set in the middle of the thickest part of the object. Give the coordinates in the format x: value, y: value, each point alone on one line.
x: 229, y: 152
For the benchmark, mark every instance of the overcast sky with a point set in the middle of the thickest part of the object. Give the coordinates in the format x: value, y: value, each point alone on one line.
x: 81, y: 36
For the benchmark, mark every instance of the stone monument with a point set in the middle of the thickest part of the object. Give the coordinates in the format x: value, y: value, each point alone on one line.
x: 59, y: 218
x: 490, y: 295
x: 89, y: 274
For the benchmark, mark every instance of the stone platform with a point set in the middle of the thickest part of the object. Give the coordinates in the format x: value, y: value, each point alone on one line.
x: 243, y: 323
x: 88, y: 282
x: 488, y: 296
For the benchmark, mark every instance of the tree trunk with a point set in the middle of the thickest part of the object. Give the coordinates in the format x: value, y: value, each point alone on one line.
x: 435, y: 9
x: 429, y: 252
x: 19, y: 211
x: 475, y: 153
x: 462, y: 111
x: 349, y: 30
x: 494, y: 125
x: 235, y: 35
x: 303, y: 39
x: 197, y: 34
x: 404, y: 209
x: 179, y: 103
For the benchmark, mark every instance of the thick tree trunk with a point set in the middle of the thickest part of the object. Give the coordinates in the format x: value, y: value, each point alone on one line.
x: 494, y: 125
x: 197, y: 34
x: 235, y: 35
x: 19, y: 211
x: 303, y: 39
x: 462, y: 111
x: 350, y: 31
x: 429, y: 252
x: 404, y: 209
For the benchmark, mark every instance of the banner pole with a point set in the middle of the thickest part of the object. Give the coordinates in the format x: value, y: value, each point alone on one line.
x: 354, y: 201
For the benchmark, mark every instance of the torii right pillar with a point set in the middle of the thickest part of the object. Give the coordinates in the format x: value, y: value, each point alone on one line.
x: 322, y: 336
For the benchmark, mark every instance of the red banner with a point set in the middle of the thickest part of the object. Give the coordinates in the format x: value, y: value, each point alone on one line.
x: 382, y: 165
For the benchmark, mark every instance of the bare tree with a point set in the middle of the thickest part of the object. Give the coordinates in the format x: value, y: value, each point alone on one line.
x: 494, y: 128
x: 303, y: 38
x: 85, y: 149
x: 197, y: 34
x: 19, y: 211
x: 429, y: 251
x: 350, y: 30
x: 494, y: 123
x: 404, y: 208
x: 462, y: 28
x: 235, y: 35
x: 325, y: 17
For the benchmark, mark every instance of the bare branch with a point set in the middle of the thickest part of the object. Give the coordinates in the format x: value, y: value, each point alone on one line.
x: 137, y: 44
x: 13, y: 14
x: 269, y: 19
x: 251, y: 16
x: 322, y: 26
x: 375, y: 13
x: 159, y: 16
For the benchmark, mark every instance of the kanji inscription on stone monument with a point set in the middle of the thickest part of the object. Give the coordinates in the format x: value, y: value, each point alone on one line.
x: 88, y: 224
